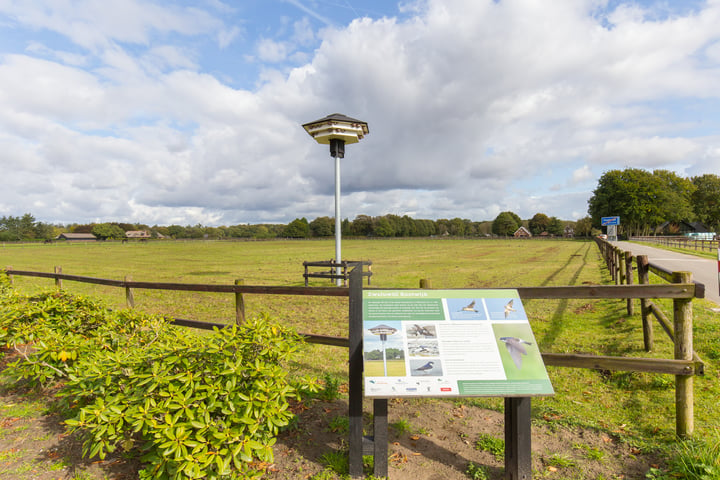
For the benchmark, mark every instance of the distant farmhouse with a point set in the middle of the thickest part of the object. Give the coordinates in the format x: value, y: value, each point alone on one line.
x: 522, y: 232
x: 142, y: 234
x: 77, y: 237
x: 681, y: 228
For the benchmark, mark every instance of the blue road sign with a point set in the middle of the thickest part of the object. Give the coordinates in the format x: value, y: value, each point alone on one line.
x: 604, y: 221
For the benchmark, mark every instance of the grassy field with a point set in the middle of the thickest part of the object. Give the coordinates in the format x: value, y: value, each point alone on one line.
x: 637, y: 406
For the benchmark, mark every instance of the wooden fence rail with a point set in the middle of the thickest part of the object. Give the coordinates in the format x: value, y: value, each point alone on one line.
x: 689, y: 243
x: 683, y: 290
x: 679, y: 330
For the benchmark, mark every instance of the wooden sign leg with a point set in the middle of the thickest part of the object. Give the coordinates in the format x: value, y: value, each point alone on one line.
x: 518, y: 460
x: 380, y: 437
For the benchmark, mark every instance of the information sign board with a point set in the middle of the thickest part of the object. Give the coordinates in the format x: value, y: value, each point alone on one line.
x: 605, y: 221
x: 461, y: 342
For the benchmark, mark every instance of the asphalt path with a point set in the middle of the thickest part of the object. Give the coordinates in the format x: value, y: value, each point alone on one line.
x: 704, y: 270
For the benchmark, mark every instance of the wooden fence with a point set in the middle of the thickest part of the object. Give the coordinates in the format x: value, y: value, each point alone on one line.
x: 689, y: 243
x: 681, y: 290
x: 329, y: 267
x: 679, y: 329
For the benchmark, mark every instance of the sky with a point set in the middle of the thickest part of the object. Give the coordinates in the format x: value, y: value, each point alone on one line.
x: 191, y: 112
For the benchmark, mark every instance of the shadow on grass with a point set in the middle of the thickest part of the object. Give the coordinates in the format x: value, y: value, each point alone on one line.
x: 557, y: 325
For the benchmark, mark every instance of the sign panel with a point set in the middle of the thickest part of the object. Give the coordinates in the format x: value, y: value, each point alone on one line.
x: 450, y: 343
x: 605, y: 221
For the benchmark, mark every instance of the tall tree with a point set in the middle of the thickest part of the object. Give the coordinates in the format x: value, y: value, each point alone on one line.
x: 506, y: 223
x: 538, y: 223
x: 629, y: 194
x: 643, y: 200
x: 106, y: 231
x: 583, y: 227
x: 706, y: 200
x: 322, y: 227
x: 675, y: 196
x: 298, y: 228
x: 556, y: 227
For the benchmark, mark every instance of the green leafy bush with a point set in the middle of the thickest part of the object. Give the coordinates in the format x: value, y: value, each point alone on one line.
x: 190, y: 405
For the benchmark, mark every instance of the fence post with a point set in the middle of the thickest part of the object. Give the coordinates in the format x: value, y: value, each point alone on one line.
x: 682, y: 325
x: 240, y: 303
x: 643, y: 266
x: 355, y: 371
x: 614, y: 259
x: 620, y: 267
x: 129, y: 296
x: 629, y: 280
x: 425, y: 283
x: 10, y: 275
x: 58, y: 281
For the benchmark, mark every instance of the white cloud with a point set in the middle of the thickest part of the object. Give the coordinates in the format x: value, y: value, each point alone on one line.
x: 655, y: 152
x: 581, y: 175
x: 271, y: 51
x: 474, y: 107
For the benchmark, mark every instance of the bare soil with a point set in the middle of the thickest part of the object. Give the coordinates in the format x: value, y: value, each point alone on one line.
x: 441, y: 442
x: 437, y: 441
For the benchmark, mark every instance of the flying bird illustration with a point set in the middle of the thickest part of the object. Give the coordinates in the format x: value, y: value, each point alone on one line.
x: 516, y: 348
x: 509, y: 308
x: 426, y: 367
x: 422, y: 331
x: 469, y: 308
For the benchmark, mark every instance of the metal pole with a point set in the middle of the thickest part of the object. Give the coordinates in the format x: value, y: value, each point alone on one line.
x: 338, y: 233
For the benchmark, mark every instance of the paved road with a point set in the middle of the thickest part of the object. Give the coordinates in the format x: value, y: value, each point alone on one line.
x: 704, y: 270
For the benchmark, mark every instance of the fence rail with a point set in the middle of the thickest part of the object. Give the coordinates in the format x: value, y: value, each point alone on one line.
x: 688, y: 243
x: 679, y: 331
x: 682, y: 290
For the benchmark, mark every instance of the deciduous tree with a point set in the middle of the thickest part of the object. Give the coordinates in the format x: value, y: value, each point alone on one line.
x: 706, y: 200
x: 506, y: 223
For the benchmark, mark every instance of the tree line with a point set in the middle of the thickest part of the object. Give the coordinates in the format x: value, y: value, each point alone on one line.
x: 26, y: 228
x: 648, y: 202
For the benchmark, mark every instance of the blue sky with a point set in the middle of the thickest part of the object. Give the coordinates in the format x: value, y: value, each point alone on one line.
x: 190, y: 111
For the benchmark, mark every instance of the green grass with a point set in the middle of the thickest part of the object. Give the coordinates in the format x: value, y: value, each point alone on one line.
x: 491, y: 444
x: 395, y: 368
x: 401, y: 427
x: 636, y: 408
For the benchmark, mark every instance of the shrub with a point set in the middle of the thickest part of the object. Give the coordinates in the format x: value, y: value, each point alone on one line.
x: 190, y: 405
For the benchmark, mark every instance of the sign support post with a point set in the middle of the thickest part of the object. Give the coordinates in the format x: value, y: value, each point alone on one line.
x: 518, y: 458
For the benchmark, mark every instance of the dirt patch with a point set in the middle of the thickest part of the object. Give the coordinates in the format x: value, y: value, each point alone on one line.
x: 439, y: 440
x: 430, y: 439
x: 34, y: 445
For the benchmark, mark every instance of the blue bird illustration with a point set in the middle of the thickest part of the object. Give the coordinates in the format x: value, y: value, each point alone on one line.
x: 426, y: 367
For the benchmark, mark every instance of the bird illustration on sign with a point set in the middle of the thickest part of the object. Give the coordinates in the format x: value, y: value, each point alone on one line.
x: 509, y: 308
x: 469, y: 308
x: 516, y: 348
